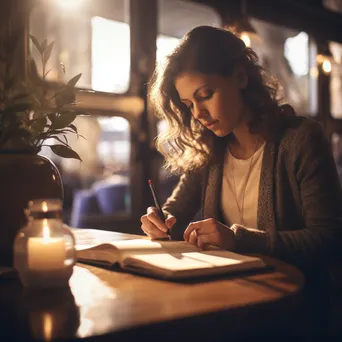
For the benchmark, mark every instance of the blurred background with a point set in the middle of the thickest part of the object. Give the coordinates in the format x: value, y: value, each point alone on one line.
x: 116, y: 44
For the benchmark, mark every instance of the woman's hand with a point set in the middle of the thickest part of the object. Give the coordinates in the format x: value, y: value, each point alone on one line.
x: 210, y: 232
x: 153, y: 226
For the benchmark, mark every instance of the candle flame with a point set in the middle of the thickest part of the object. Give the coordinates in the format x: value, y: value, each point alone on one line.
x: 44, y: 206
x: 46, y: 233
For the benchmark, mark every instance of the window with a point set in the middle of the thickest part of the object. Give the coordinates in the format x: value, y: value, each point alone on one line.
x: 187, y: 16
x: 176, y: 18
x: 165, y: 44
x: 91, y: 37
x: 336, y: 80
x: 100, y: 183
x: 290, y: 56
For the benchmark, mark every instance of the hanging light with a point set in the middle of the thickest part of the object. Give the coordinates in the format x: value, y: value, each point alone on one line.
x: 245, y: 29
x: 324, y: 59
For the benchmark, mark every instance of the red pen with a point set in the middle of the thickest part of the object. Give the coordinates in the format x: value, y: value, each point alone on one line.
x: 157, y: 204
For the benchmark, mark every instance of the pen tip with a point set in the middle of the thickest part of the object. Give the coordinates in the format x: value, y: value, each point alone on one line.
x: 150, y: 182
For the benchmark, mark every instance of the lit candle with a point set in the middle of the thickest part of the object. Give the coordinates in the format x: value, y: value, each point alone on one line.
x: 46, y: 253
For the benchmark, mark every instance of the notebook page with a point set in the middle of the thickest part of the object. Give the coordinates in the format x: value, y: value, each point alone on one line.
x: 116, y: 251
x: 193, y: 262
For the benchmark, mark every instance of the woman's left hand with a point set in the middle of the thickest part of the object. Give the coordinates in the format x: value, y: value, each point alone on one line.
x: 210, y: 232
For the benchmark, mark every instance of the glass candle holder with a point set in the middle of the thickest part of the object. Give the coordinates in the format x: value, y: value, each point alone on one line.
x: 44, y: 250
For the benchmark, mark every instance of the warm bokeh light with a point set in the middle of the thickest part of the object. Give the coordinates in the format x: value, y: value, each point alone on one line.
x: 47, y: 326
x: 314, y: 72
x: 326, y: 66
x: 245, y: 37
x: 296, y: 52
x: 44, y: 207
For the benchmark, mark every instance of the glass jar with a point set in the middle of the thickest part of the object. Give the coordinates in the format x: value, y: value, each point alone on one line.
x: 44, y: 250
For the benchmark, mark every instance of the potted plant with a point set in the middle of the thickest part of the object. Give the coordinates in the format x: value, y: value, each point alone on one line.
x: 31, y: 116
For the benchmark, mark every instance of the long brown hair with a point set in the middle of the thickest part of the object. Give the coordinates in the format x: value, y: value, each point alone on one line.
x: 186, y: 144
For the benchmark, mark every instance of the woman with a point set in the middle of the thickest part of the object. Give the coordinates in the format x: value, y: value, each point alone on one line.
x: 265, y: 179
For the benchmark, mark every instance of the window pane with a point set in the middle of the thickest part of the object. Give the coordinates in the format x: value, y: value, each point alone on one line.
x: 336, y: 144
x: 165, y: 44
x: 100, y: 183
x: 290, y: 56
x: 110, y: 62
x: 91, y: 37
x: 336, y: 80
x: 176, y: 18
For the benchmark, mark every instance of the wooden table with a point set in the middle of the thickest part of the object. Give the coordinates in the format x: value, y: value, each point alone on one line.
x: 104, y: 304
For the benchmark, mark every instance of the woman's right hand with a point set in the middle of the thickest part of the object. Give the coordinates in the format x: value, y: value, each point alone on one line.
x: 153, y: 226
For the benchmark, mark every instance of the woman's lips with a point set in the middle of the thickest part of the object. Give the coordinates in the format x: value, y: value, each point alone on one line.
x: 210, y: 124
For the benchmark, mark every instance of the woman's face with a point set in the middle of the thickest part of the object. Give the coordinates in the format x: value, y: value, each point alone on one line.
x: 215, y: 101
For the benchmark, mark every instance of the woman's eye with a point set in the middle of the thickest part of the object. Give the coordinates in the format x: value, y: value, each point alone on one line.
x: 206, y: 96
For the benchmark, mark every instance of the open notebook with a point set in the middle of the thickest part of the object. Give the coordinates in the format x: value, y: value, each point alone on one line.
x: 166, y: 259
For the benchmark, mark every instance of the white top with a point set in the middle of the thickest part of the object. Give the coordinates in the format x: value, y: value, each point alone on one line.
x: 237, y: 169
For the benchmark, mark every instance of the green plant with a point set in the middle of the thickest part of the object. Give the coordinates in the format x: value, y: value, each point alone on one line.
x: 30, y: 113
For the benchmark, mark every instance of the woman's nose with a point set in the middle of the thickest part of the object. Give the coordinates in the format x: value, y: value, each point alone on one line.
x: 199, y: 111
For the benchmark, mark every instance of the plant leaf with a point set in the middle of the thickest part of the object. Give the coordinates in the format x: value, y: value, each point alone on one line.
x: 43, y: 46
x: 35, y: 42
x: 59, y: 139
x: 63, y: 120
x: 73, y: 81
x: 52, y: 117
x: 64, y: 152
x: 73, y: 127
x: 47, y: 53
x: 66, y: 96
x: 48, y: 72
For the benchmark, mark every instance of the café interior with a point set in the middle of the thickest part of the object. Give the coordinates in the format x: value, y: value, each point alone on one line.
x: 100, y: 174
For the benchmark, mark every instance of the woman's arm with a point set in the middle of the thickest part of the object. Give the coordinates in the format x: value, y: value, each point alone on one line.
x: 184, y: 202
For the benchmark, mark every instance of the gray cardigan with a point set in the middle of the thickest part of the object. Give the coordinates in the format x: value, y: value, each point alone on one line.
x: 299, y: 207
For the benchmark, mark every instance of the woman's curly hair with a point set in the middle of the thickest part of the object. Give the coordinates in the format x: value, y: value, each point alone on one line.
x: 186, y: 144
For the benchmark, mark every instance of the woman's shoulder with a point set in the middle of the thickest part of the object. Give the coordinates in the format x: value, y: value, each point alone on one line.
x: 297, y: 129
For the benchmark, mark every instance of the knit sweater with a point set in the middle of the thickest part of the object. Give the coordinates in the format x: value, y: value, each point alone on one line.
x: 299, y: 206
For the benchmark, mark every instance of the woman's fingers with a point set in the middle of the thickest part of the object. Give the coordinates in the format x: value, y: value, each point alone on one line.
x: 208, y: 239
x: 152, y: 216
x: 153, y: 226
x: 170, y: 221
x: 150, y: 229
x: 202, y: 227
x: 193, y: 238
x: 191, y: 228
